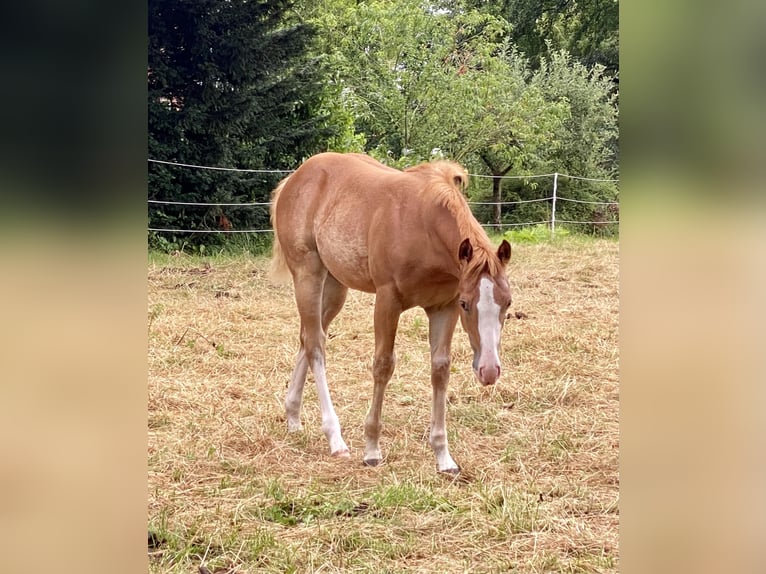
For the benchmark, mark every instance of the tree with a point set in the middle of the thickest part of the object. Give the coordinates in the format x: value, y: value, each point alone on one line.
x: 387, y: 59
x: 590, y: 132
x: 587, y: 29
x: 419, y: 80
x: 424, y: 81
x: 230, y: 83
x: 580, y: 137
x: 439, y: 79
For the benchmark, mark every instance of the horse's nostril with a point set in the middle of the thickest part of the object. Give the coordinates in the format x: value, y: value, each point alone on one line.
x: 494, y: 371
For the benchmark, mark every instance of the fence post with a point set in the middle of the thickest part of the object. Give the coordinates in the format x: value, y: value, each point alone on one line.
x: 553, y: 206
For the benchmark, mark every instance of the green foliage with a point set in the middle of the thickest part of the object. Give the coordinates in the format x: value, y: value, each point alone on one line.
x: 442, y: 80
x: 588, y: 135
x: 534, y: 234
x: 412, y: 496
x: 230, y: 83
x: 579, y: 138
x: 236, y: 244
x: 588, y: 29
x: 506, y: 88
x: 422, y: 83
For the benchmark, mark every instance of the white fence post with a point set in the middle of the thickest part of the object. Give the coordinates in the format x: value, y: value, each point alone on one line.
x: 553, y: 206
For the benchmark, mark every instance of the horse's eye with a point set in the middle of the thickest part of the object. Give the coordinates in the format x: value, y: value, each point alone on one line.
x: 464, y: 304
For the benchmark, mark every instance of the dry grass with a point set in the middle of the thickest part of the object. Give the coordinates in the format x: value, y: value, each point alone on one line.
x: 230, y: 489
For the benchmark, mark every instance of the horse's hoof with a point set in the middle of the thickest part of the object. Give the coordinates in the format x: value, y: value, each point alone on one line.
x: 344, y: 453
x: 372, y: 462
x: 453, y: 472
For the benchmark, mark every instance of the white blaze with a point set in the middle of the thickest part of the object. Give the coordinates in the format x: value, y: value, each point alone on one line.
x: 489, y: 324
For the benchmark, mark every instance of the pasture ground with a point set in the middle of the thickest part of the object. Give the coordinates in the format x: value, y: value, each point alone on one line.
x: 230, y: 490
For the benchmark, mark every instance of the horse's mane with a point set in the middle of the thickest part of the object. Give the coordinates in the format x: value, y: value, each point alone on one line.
x: 446, y: 184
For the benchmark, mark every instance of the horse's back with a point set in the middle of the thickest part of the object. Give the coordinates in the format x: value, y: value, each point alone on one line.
x: 368, y: 224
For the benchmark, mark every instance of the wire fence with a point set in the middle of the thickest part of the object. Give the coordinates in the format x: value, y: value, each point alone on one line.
x: 554, y: 198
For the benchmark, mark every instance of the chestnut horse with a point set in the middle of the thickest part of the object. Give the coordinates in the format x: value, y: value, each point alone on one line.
x: 347, y: 221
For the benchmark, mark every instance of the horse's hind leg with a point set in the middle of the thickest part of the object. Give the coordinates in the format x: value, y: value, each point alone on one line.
x: 294, y: 397
x: 310, y: 280
x: 333, y: 298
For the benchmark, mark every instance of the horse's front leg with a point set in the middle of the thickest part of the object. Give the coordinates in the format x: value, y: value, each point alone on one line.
x: 387, y: 312
x: 441, y: 326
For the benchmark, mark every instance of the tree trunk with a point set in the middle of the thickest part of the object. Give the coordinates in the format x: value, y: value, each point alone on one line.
x: 497, y: 197
x: 497, y: 186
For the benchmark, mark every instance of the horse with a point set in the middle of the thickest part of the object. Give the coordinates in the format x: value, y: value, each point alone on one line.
x: 346, y: 221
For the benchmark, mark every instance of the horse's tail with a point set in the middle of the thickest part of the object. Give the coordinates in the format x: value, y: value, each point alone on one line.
x: 278, y: 270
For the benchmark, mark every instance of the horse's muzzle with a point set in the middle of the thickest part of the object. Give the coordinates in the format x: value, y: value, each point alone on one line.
x: 487, y: 375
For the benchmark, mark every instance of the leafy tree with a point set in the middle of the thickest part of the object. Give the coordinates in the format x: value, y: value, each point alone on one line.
x: 230, y: 83
x: 387, y: 57
x: 583, y: 141
x: 587, y: 29
x: 419, y: 80
x: 437, y: 80
x: 589, y: 135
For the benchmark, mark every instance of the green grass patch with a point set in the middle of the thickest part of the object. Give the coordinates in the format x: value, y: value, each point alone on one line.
x: 411, y: 496
x: 534, y: 234
x: 321, y: 504
x: 216, y: 244
x: 513, y: 511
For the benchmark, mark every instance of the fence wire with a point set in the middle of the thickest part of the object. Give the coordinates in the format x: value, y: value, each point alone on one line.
x: 552, y: 198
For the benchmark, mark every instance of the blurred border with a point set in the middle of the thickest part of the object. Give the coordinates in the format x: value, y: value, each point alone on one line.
x: 73, y: 288
x: 693, y: 278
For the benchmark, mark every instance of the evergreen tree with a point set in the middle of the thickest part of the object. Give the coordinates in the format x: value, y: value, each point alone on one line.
x: 229, y: 84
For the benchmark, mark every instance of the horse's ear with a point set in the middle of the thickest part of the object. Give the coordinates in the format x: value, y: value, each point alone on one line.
x: 504, y: 252
x: 466, y: 251
x: 459, y: 182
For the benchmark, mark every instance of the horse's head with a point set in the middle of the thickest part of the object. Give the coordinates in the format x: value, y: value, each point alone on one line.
x: 484, y: 298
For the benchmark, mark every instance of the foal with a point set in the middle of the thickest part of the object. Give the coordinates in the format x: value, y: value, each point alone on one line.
x: 347, y: 221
